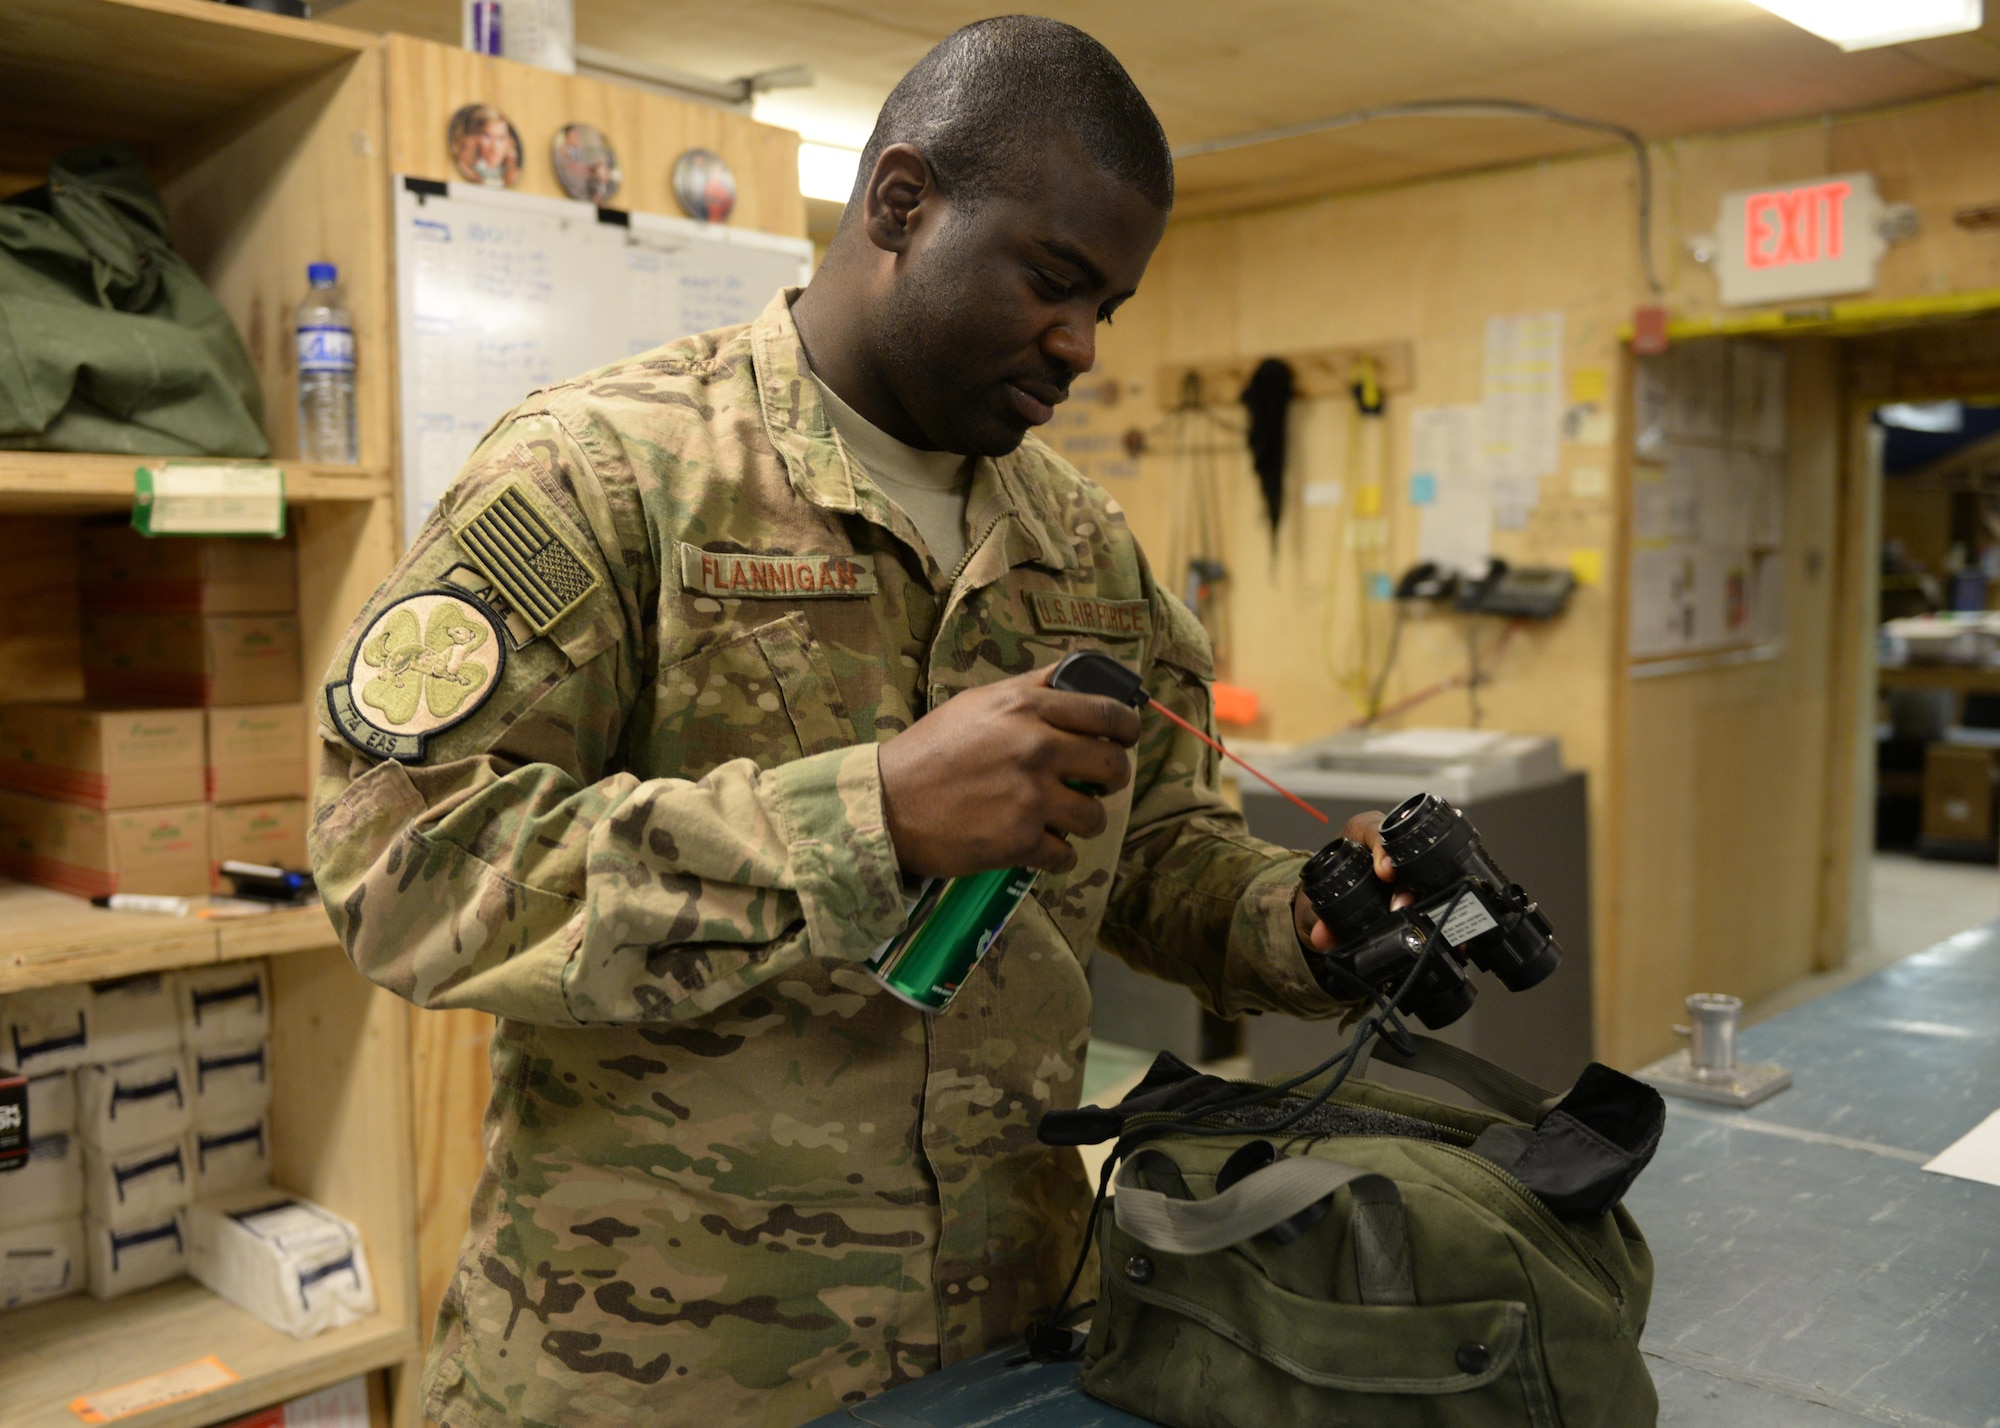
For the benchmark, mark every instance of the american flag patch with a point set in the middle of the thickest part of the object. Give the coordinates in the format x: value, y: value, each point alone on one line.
x: 522, y: 550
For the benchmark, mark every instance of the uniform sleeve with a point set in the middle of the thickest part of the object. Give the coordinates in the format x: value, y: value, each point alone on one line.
x: 471, y: 843
x: 1196, y: 899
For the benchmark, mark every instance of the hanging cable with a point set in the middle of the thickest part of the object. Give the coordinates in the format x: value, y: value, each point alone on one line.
x: 1463, y: 109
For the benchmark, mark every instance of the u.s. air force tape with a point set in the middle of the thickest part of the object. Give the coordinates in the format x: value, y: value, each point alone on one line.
x: 524, y: 550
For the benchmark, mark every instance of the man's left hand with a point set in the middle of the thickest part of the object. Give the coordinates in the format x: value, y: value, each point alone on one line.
x: 1365, y: 829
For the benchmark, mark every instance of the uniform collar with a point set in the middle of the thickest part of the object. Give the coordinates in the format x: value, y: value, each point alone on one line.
x: 796, y: 421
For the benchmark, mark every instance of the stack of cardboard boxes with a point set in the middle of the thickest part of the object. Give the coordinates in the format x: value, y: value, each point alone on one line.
x: 190, y: 746
x: 149, y: 1153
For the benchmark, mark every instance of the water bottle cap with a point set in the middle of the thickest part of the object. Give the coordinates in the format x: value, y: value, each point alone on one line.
x: 322, y: 273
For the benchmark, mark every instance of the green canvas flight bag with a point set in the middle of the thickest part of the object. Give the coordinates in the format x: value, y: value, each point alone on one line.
x: 109, y: 341
x: 1369, y: 1266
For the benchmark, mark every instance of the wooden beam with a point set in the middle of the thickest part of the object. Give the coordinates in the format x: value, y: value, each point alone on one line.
x: 1321, y: 373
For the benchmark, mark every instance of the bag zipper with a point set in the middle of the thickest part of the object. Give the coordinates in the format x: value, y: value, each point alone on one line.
x: 1547, y: 1218
x: 1541, y: 1213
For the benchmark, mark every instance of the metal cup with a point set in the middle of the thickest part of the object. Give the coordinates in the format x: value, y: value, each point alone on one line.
x: 1711, y: 1032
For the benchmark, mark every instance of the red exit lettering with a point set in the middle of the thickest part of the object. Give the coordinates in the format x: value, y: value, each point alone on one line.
x: 1790, y: 226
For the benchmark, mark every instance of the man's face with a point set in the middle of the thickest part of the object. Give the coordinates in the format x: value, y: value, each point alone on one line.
x: 992, y: 311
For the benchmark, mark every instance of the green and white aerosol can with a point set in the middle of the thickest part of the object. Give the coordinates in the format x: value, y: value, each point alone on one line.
x: 957, y: 920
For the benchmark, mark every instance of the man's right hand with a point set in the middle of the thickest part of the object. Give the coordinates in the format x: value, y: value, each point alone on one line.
x: 979, y: 782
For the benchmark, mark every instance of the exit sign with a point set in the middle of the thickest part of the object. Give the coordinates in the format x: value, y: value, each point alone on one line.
x: 1799, y: 240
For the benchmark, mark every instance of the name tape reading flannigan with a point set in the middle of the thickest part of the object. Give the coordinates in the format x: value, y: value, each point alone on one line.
x: 740, y: 576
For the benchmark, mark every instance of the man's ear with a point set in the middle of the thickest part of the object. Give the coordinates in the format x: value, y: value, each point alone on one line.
x: 896, y: 199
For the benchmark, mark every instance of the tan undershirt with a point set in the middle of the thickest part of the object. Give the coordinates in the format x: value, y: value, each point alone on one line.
x: 930, y: 487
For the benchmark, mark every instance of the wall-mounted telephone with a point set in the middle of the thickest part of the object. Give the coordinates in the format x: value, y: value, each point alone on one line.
x: 1522, y: 592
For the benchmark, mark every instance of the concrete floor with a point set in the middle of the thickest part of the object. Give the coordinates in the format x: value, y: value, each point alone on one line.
x: 1914, y: 903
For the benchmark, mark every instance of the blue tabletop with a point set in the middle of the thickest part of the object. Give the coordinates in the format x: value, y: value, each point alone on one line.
x: 1809, y: 1273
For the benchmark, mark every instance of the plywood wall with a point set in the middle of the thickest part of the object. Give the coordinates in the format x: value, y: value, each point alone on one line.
x: 1428, y: 265
x: 1673, y: 762
x: 428, y: 82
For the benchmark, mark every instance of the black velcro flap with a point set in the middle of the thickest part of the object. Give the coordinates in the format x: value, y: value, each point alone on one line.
x: 1584, y: 1155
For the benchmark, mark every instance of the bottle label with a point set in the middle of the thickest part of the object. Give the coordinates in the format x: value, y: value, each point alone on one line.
x: 326, y: 349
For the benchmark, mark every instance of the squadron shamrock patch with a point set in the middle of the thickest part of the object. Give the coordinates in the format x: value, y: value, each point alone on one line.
x: 426, y: 663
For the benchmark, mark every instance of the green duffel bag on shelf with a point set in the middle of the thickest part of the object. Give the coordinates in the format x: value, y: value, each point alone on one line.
x: 1378, y: 1259
x: 109, y: 341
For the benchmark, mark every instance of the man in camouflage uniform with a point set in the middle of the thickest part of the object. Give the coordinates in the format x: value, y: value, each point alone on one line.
x: 648, y: 742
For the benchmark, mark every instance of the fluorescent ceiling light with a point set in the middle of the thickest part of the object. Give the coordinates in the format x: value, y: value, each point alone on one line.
x: 827, y: 172
x: 1868, y: 24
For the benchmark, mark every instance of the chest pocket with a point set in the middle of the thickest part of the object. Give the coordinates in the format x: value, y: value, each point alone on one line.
x: 766, y: 694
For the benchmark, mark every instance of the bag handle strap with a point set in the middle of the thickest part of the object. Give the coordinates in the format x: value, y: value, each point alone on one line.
x: 1493, y: 1086
x: 1267, y: 1198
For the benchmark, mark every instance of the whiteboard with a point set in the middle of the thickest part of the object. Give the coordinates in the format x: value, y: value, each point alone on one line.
x: 500, y: 293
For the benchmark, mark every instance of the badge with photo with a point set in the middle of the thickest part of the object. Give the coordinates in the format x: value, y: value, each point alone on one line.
x: 704, y: 185
x: 585, y: 163
x: 485, y: 145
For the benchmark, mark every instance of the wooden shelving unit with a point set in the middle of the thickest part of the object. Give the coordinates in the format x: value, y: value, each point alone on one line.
x: 58, y: 482
x: 266, y: 138
x: 49, y: 937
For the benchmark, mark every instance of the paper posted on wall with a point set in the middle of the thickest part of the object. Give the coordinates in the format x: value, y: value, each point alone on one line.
x: 1447, y: 457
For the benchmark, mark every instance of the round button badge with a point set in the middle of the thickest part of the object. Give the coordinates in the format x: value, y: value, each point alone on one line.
x: 704, y: 185
x: 485, y: 145
x: 585, y: 163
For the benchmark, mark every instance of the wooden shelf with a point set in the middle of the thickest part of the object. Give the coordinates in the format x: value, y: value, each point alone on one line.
x: 120, y: 67
x: 48, y: 938
x: 61, y: 481
x: 77, y: 1345
x: 1965, y: 678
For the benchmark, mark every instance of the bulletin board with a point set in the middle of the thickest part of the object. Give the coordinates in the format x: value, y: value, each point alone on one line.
x: 1708, y: 511
x: 500, y: 293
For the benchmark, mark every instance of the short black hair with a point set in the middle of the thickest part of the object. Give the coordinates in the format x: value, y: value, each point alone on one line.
x: 980, y: 105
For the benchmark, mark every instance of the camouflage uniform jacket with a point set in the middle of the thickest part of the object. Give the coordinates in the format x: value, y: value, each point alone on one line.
x: 600, y: 757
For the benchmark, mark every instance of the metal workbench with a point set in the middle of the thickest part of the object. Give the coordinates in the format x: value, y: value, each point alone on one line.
x: 1809, y: 1273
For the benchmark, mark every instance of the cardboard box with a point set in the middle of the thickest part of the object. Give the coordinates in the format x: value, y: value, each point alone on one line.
x: 1958, y: 798
x: 90, y: 853
x: 296, y: 1265
x: 257, y: 751
x: 135, y: 1257
x: 271, y: 832
x: 124, y: 572
x: 102, y: 758
x: 40, y: 1262
x: 191, y: 659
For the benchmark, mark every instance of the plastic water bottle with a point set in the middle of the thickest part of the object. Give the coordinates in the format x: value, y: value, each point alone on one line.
x: 326, y: 370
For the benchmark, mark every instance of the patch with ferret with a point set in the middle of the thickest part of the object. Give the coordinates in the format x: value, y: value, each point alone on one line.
x: 1060, y: 613
x: 426, y: 663
x: 741, y: 575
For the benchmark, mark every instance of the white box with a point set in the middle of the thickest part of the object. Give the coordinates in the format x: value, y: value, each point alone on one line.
x: 132, y: 1187
x: 134, y: 1016
x: 137, y: 1256
x: 48, y: 1029
x: 48, y: 1187
x: 132, y: 1103
x: 293, y: 1264
x: 40, y: 1262
x: 232, y: 1081
x: 52, y: 1103
x: 230, y: 1002
x: 231, y: 1157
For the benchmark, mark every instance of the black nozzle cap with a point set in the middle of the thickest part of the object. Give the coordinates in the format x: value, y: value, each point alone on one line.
x: 1089, y: 672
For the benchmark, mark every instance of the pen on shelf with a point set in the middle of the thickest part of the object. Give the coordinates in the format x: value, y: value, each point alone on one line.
x: 142, y: 902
